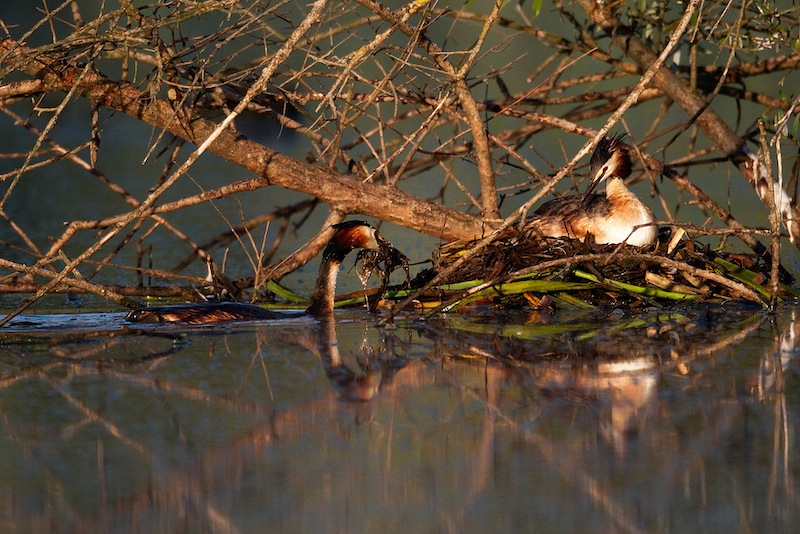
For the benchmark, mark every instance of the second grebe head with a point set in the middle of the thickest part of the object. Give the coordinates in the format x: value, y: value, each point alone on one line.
x: 351, y: 235
x: 610, y: 158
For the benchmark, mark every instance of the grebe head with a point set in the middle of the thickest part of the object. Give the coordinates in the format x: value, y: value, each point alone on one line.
x: 351, y: 235
x: 610, y: 158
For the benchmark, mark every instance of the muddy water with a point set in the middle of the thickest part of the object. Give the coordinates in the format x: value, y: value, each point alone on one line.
x: 666, y: 424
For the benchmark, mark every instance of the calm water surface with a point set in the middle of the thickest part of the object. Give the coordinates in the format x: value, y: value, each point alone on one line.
x: 460, y: 424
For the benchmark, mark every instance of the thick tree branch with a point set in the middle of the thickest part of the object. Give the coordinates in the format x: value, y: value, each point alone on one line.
x: 339, y: 191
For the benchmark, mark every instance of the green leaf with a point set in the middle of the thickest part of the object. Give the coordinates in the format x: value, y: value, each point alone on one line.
x: 639, y: 290
x: 284, y: 293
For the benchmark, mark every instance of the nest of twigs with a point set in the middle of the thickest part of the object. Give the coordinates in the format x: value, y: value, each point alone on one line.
x: 534, y: 273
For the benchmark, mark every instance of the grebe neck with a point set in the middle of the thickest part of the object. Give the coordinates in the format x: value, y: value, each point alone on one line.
x: 616, y: 186
x: 325, y: 287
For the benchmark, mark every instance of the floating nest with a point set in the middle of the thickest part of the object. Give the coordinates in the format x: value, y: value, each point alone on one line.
x: 563, y: 272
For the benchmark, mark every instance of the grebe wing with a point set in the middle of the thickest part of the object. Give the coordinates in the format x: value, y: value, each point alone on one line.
x: 565, y: 216
x: 559, y: 207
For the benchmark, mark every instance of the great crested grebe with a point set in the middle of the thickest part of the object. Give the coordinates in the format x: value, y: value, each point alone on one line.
x: 616, y: 217
x: 349, y: 235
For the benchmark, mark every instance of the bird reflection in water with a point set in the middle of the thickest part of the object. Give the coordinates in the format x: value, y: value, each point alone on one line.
x: 621, y: 389
x: 615, y: 378
x: 376, y: 365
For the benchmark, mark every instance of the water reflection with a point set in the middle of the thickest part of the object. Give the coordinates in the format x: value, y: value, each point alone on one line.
x: 459, y: 425
x: 620, y: 392
x: 375, y: 365
x: 769, y: 379
x: 618, y: 386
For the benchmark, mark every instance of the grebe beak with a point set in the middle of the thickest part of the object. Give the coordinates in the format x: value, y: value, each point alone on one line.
x: 597, y: 178
x: 390, y: 256
x: 603, y: 171
x: 381, y: 255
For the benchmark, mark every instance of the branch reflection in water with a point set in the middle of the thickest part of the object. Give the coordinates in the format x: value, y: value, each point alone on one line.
x: 451, y: 425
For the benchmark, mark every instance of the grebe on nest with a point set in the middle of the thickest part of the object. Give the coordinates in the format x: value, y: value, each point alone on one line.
x: 616, y: 217
x: 349, y: 235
